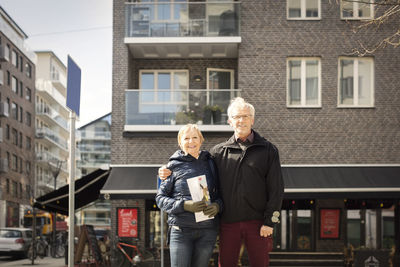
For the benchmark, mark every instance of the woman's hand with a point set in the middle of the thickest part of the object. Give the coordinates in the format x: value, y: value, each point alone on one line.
x: 163, y: 172
x: 211, y: 210
x: 194, y: 206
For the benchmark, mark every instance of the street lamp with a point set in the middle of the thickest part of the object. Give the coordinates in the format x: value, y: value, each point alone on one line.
x: 55, y: 168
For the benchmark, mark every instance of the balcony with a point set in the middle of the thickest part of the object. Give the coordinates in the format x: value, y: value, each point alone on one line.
x: 59, y: 80
x: 47, y: 159
x: 52, y: 137
x: 51, y: 93
x: 50, y: 115
x: 168, y: 110
x: 95, y: 135
x: 183, y: 29
x: 96, y: 149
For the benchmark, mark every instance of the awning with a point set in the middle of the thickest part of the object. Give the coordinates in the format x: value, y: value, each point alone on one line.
x: 131, y: 182
x: 87, y: 190
x: 342, y: 181
x: 301, y: 182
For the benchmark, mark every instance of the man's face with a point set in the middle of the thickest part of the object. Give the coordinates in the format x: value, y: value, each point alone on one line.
x: 241, y: 120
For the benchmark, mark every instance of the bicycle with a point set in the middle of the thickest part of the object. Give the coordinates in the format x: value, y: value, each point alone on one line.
x: 59, y: 246
x: 40, y: 250
x: 132, y: 257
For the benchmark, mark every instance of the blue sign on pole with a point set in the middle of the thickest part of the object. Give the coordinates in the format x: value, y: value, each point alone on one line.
x: 73, y: 86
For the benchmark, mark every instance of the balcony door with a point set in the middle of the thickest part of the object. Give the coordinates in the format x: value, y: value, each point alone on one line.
x: 220, y: 17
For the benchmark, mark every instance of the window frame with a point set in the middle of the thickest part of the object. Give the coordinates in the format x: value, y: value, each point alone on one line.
x: 355, y: 8
x: 303, y: 83
x: 303, y: 9
x: 356, y: 84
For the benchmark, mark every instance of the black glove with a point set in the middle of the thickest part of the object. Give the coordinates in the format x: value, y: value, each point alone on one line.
x: 211, y: 210
x: 192, y: 206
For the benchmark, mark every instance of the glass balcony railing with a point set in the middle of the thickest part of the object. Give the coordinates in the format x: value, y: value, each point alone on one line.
x: 94, y: 148
x: 54, y: 137
x: 180, y: 18
x: 53, y: 114
x: 95, y: 135
x: 53, y: 160
x: 57, y: 77
x: 169, y: 107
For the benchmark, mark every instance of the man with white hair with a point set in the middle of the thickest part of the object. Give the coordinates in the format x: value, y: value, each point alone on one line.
x: 251, y: 187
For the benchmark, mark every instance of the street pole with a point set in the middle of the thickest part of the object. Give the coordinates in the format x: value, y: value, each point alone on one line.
x: 71, y: 210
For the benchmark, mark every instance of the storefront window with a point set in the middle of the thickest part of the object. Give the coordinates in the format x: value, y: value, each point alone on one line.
x: 354, y: 228
x: 304, y: 230
x: 388, y: 229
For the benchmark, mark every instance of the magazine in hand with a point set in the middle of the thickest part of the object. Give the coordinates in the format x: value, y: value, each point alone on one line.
x: 199, y: 190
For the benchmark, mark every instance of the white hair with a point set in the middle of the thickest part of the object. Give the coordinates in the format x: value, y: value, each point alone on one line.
x: 239, y: 102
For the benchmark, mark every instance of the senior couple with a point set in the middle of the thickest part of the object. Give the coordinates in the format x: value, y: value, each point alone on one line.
x: 245, y: 185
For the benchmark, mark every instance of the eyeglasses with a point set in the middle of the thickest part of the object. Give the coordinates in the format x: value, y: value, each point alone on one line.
x: 244, y: 117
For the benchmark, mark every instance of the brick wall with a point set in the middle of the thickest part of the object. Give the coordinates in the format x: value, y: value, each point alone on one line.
x: 326, y: 135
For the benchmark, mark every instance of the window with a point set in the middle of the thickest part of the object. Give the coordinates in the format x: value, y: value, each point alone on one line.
x: 21, y: 66
x: 21, y: 90
x: 28, y: 118
x: 8, y: 78
x: 28, y: 143
x: 14, y: 111
x: 21, y: 170
x: 14, y: 58
x: 8, y: 132
x: 303, y: 9
x: 14, y: 85
x: 8, y: 186
x: 7, y: 52
x: 357, y: 9
x: 1, y: 77
x: 21, y: 114
x: 28, y: 69
x: 28, y: 167
x: 359, y: 91
x: 157, y: 90
x: 14, y: 135
x: 14, y: 162
x: 304, y: 82
x: 28, y: 95
x: 20, y: 139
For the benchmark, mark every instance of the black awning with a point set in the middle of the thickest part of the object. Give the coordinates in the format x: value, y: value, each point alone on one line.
x: 87, y: 190
x: 301, y: 182
x: 342, y: 181
x: 131, y: 182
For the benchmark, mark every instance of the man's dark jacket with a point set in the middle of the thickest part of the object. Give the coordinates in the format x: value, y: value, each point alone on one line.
x: 251, y: 183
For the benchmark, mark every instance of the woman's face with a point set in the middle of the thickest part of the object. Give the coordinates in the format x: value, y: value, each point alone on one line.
x: 190, y: 142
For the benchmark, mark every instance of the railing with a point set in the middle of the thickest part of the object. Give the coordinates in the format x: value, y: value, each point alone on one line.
x: 180, y: 19
x: 47, y: 86
x: 94, y: 148
x: 53, y: 114
x: 57, y: 77
x: 45, y: 156
x: 46, y: 132
x: 95, y: 135
x: 170, y: 107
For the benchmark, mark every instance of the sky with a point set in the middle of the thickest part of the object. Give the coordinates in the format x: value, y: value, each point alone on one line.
x: 79, y: 28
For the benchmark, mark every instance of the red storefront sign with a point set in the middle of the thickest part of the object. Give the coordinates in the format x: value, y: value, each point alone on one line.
x: 127, y: 222
x: 330, y: 223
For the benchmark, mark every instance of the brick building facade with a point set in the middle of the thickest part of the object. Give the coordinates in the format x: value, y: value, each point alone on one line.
x: 294, y: 63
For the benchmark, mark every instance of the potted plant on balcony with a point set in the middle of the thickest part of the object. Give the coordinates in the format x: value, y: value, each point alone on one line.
x: 217, y: 114
x: 207, y: 114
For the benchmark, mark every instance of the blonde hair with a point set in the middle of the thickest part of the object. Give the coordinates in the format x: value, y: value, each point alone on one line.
x: 239, y: 102
x: 187, y: 127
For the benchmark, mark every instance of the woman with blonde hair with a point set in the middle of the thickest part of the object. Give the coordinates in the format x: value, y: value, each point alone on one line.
x: 191, y: 242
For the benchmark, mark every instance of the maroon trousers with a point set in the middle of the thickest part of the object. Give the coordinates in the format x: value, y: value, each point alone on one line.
x: 231, y: 237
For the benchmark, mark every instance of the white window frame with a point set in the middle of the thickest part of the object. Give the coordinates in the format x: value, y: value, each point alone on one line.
x: 303, y: 9
x: 355, y: 9
x: 156, y: 72
x: 355, y: 84
x: 303, y: 83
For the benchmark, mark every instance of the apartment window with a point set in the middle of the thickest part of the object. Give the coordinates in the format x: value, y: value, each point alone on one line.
x: 21, y: 168
x: 356, y: 82
x: 28, y: 69
x: 21, y: 114
x: 303, y: 9
x: 8, y: 159
x: 157, y: 88
x: 14, y: 58
x: 28, y: 95
x: 20, y: 139
x: 14, y: 135
x: 14, y: 162
x: 304, y: 82
x: 21, y: 66
x: 21, y: 90
x: 7, y: 52
x: 14, y: 85
x: 28, y: 167
x: 14, y: 111
x: 8, y: 78
x: 28, y: 119
x: 28, y: 143
x: 8, y: 186
x: 8, y: 132
x: 1, y: 77
x: 357, y: 9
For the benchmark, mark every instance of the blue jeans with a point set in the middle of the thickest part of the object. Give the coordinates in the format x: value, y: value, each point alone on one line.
x: 190, y: 247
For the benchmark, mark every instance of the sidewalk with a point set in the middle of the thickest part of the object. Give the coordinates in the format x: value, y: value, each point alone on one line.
x: 47, y: 261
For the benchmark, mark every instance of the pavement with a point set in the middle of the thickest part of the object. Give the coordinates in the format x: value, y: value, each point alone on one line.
x: 47, y: 261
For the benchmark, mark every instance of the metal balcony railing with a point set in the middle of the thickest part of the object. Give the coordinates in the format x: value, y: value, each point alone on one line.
x: 53, y: 114
x: 170, y: 107
x: 51, y: 135
x: 182, y: 19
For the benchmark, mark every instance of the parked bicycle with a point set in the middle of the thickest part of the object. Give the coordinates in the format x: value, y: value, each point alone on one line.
x: 130, y: 255
x: 59, y: 246
x: 40, y: 248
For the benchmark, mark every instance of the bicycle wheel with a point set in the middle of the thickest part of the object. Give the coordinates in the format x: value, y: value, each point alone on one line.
x: 121, y: 260
x: 60, y: 250
x: 147, y: 259
x: 31, y: 254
